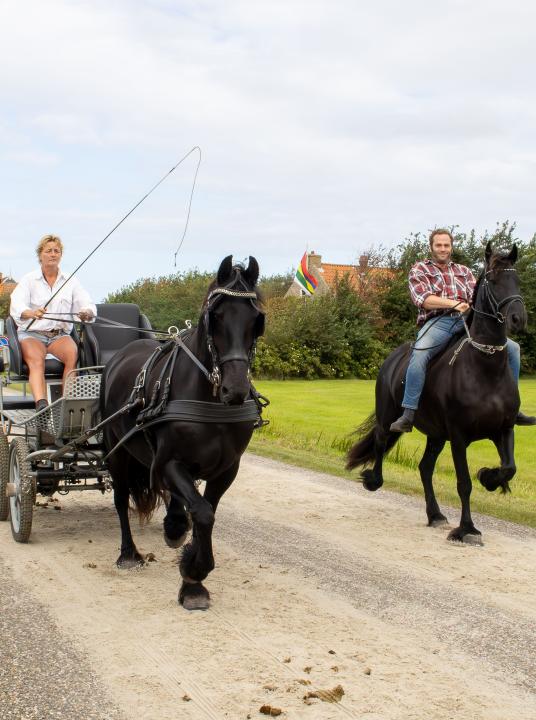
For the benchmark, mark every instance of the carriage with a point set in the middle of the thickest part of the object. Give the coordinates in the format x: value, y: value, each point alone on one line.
x: 174, y: 413
x: 60, y: 448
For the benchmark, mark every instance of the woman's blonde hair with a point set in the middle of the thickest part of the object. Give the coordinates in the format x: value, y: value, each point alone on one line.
x: 46, y: 239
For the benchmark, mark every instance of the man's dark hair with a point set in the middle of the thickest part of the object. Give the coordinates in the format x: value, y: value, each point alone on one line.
x: 440, y: 231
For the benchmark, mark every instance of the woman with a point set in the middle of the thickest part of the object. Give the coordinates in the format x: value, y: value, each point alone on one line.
x: 28, y: 302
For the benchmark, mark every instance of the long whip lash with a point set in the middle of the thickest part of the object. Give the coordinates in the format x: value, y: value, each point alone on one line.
x: 196, y: 147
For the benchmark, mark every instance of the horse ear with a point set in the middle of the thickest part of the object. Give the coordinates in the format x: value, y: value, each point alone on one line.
x: 225, y: 269
x: 513, y: 254
x: 251, y: 274
x: 488, y: 252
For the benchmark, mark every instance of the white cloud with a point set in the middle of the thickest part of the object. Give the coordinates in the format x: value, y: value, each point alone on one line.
x: 333, y: 124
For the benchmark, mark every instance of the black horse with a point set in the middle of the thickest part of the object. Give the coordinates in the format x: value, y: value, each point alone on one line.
x: 469, y: 394
x: 163, y: 450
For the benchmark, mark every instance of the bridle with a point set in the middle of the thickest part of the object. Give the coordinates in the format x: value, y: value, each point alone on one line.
x: 214, y: 296
x: 495, y: 304
x: 495, y: 314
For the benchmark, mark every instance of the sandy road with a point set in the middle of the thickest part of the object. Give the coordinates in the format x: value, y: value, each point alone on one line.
x: 318, y: 584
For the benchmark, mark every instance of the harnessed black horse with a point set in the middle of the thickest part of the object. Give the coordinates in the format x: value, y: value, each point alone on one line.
x: 469, y: 394
x: 178, y: 422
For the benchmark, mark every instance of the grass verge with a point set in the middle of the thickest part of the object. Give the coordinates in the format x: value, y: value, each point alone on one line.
x: 311, y: 424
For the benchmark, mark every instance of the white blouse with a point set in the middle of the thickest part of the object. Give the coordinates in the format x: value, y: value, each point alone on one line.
x: 33, y: 291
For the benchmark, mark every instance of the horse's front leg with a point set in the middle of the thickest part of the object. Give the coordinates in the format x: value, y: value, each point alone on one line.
x: 177, y: 523
x: 493, y: 478
x: 197, y: 558
x: 466, y: 532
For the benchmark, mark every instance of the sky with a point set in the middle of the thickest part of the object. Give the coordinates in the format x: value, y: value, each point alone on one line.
x: 328, y: 125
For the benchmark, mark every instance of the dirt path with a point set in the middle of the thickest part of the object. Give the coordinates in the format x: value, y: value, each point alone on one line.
x: 318, y: 584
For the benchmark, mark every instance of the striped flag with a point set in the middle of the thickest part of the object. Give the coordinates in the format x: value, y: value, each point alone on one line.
x: 304, y: 278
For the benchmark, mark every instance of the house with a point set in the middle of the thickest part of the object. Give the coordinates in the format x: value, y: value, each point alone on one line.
x: 7, y: 285
x: 364, y: 278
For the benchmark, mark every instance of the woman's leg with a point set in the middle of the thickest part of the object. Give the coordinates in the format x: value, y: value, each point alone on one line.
x: 64, y: 348
x: 33, y: 354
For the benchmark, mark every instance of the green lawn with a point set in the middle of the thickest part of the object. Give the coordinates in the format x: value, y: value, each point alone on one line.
x: 311, y: 424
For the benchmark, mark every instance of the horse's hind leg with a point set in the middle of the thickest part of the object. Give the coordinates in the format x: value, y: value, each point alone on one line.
x: 493, y: 478
x: 426, y: 469
x: 382, y: 440
x: 120, y: 466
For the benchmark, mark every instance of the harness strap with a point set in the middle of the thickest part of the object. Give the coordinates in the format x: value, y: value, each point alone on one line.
x: 197, y: 411
x: 154, y: 407
x: 487, y: 349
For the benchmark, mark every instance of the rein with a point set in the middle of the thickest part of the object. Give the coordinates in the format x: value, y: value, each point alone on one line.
x: 496, y: 314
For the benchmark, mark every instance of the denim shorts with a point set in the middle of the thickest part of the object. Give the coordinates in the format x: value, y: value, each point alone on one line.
x: 31, y: 335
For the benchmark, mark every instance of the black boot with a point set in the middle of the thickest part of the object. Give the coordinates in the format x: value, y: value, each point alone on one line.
x: 404, y: 422
x: 523, y: 419
x: 40, y: 405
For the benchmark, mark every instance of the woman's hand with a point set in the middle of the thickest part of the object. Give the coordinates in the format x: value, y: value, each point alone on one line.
x: 35, y: 314
x: 85, y: 315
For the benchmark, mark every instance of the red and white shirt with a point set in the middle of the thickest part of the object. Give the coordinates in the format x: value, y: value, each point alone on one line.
x: 452, y: 281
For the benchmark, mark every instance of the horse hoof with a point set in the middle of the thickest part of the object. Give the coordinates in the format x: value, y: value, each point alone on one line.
x: 370, y: 482
x: 194, y: 596
x: 472, y: 539
x: 455, y: 536
x: 438, y: 522
x: 128, y: 563
x: 172, y: 543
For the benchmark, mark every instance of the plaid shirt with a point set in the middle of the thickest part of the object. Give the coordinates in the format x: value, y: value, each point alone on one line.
x: 426, y: 278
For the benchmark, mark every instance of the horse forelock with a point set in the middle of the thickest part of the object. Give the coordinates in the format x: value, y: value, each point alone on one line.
x: 499, y: 261
x: 238, y: 281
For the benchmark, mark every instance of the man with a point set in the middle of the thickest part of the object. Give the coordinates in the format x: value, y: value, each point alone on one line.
x: 28, y: 302
x: 437, y: 286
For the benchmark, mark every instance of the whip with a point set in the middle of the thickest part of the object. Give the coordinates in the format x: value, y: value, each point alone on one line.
x: 196, y: 147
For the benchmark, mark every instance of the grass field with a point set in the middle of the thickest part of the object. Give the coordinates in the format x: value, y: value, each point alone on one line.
x: 311, y: 424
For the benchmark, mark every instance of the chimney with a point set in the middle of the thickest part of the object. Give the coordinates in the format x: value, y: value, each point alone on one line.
x: 314, y: 261
x: 363, y: 262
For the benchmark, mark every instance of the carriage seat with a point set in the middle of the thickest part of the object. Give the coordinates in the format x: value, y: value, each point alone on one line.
x: 17, y: 367
x: 100, y: 343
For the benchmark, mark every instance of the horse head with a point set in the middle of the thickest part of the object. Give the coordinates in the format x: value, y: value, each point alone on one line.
x: 233, y: 320
x: 499, y: 294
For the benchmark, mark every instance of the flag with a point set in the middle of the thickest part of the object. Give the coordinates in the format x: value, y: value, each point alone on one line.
x: 304, y: 278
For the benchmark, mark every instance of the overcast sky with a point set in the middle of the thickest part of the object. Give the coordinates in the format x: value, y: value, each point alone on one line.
x: 333, y: 126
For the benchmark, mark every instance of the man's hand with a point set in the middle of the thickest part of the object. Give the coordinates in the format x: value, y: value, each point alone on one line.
x: 86, y: 315
x: 462, y: 307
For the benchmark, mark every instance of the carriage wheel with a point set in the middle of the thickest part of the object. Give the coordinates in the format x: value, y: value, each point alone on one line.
x: 4, y: 476
x: 22, y: 501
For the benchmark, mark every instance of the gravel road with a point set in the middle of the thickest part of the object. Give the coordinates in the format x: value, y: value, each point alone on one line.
x: 327, y: 602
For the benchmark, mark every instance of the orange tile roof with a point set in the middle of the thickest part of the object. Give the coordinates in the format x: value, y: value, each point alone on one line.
x: 354, y: 272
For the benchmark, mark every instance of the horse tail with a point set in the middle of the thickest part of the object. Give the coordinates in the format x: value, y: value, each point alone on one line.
x: 145, y: 499
x: 364, y: 450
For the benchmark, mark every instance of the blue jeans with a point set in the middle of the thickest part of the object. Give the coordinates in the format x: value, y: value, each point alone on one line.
x: 433, y: 336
